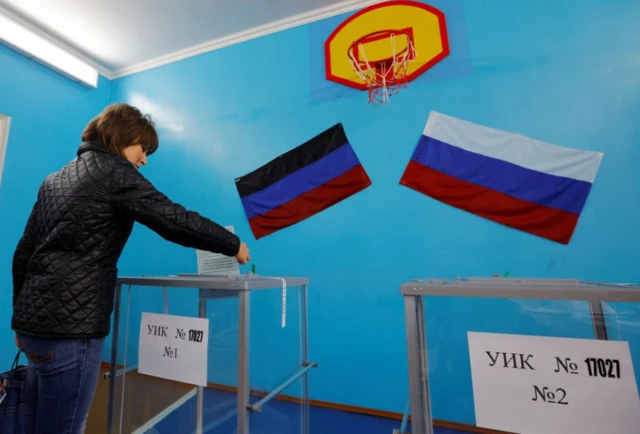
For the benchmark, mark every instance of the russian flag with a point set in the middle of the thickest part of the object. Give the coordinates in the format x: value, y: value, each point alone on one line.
x: 302, y: 182
x: 526, y: 184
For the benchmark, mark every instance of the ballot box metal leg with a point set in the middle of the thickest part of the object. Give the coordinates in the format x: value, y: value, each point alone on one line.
x: 304, y: 348
x: 244, y: 307
x: 598, y: 320
x: 200, y: 390
x: 421, y: 418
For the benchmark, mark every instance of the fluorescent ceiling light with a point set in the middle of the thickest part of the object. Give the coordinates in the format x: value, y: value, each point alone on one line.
x: 38, y: 48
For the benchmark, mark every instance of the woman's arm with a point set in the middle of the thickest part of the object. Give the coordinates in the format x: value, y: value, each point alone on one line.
x: 135, y: 196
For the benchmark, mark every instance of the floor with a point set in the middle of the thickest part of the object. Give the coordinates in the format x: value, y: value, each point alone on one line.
x: 276, y: 417
x: 154, y: 406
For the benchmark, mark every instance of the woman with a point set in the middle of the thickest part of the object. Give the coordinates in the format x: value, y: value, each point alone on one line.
x: 64, y: 267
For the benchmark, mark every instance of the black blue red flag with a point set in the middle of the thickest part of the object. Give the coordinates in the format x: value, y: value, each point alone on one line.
x: 301, y: 182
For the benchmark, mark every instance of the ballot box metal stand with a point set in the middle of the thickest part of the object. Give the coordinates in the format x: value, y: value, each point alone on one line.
x: 217, y: 287
x: 414, y: 292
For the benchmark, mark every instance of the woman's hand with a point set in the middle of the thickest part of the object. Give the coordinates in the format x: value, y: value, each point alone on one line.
x: 243, y: 255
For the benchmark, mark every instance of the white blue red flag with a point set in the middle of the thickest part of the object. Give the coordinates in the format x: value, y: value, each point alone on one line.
x: 513, y: 180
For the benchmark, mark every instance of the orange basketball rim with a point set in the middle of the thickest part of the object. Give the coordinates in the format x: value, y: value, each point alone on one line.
x: 392, y: 41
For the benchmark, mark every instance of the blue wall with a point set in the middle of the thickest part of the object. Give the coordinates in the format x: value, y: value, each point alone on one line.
x: 48, y: 113
x: 563, y: 72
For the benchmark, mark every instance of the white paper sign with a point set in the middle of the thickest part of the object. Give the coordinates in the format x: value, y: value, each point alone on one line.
x: 215, y: 263
x: 174, y: 347
x: 547, y: 385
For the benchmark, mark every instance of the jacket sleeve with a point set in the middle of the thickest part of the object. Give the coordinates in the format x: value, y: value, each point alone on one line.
x: 24, y: 251
x: 133, y: 195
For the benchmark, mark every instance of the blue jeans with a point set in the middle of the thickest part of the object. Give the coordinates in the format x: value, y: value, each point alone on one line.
x: 62, y: 375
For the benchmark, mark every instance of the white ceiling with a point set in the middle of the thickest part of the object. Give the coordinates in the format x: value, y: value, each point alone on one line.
x: 120, y: 37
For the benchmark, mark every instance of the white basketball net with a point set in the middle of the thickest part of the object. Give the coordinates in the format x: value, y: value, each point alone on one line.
x: 383, y: 79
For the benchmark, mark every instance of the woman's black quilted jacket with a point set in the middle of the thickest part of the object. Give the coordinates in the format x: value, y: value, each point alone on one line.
x: 65, y: 265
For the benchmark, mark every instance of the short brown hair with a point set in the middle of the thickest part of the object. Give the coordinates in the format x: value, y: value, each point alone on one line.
x: 121, y: 125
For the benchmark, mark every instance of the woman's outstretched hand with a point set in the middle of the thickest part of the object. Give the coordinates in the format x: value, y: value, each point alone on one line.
x: 243, y: 255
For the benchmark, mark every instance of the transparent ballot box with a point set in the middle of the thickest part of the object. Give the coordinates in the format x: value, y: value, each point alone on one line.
x: 555, y: 356
x: 209, y: 354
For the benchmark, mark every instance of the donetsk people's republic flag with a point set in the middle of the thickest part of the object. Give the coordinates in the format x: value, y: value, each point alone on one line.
x: 513, y: 180
x: 302, y: 182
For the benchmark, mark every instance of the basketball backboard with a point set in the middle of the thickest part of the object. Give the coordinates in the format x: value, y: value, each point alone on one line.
x: 386, y: 31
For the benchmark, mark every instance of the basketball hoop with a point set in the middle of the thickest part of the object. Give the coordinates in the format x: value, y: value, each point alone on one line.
x: 383, y: 77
